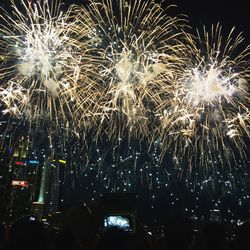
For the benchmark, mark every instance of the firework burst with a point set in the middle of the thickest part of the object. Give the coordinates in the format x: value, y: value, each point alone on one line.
x: 39, y: 63
x: 207, y: 117
x: 136, y: 47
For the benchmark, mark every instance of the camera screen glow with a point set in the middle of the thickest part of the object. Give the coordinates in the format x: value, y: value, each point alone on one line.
x: 117, y: 221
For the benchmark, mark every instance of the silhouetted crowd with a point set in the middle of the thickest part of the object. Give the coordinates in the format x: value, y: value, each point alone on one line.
x: 179, y: 234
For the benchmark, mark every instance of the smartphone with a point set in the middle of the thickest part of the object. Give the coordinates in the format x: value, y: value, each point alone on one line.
x: 122, y: 221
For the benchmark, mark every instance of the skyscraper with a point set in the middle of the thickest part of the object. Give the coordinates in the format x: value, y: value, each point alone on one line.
x: 23, y: 179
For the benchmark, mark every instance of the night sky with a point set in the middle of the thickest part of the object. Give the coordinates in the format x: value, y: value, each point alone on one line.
x: 208, y: 12
x: 228, y: 13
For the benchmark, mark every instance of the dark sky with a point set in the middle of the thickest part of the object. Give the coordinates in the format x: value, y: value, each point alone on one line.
x: 229, y: 13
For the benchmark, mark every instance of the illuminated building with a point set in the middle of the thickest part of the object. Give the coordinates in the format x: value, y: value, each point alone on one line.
x: 20, y: 166
x: 24, y: 179
x: 52, y: 185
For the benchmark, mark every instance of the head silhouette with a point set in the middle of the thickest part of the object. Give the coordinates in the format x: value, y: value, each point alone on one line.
x: 179, y: 233
x: 214, y: 236
x: 243, y: 237
x: 26, y: 233
x: 116, y: 238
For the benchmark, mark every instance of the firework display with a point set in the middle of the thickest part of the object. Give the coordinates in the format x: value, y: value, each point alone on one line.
x: 126, y: 69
